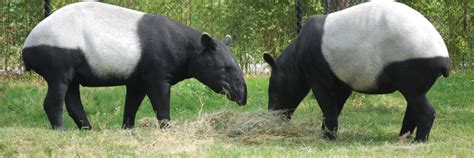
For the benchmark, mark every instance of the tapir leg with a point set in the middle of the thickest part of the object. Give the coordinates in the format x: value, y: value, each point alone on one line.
x: 53, y: 103
x: 425, y: 118
x: 419, y: 114
x: 159, y: 94
x: 409, y: 124
x: 327, y: 102
x: 414, y: 78
x: 342, y: 92
x: 133, y: 100
x: 75, y: 108
x: 424, y: 115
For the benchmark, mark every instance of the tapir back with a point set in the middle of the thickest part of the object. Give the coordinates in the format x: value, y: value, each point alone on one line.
x: 106, y: 36
x: 359, y: 42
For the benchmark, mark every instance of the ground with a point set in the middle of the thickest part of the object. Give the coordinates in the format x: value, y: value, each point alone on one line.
x: 206, y: 124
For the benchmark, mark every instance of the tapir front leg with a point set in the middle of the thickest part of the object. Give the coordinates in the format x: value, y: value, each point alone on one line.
x: 159, y: 94
x: 327, y: 103
x: 341, y: 93
x: 133, y: 100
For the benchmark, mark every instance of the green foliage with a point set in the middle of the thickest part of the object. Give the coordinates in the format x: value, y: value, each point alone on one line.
x: 17, y: 18
x: 256, y: 26
x: 448, y: 18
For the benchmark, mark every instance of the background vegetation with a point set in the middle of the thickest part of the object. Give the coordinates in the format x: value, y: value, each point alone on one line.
x: 256, y: 26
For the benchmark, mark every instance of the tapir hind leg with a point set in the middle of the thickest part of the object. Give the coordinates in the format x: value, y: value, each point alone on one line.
x: 419, y: 114
x: 422, y: 116
x: 56, y: 65
x: 75, y: 108
x: 53, y: 103
x: 408, y: 125
x: 414, y: 84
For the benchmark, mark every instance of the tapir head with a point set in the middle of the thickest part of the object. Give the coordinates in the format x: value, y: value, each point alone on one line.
x: 286, y: 89
x: 216, y: 67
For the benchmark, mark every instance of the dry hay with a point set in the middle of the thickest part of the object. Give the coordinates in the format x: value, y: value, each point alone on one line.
x: 247, y: 127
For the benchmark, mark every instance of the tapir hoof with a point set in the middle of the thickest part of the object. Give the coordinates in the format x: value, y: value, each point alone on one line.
x: 124, y: 126
x: 329, y: 136
x: 85, y: 128
x: 420, y: 140
x: 165, y: 124
x: 59, y: 128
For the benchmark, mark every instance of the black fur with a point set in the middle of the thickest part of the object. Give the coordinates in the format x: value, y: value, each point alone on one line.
x: 302, y: 66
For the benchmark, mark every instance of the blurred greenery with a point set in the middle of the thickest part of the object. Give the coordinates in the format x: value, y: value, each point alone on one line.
x: 256, y: 26
x: 449, y: 17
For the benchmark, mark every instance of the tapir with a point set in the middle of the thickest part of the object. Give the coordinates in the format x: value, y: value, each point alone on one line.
x: 96, y: 44
x: 372, y: 48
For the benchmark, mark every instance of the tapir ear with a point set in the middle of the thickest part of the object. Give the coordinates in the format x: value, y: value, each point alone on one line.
x: 268, y: 58
x: 207, y: 41
x: 227, y: 40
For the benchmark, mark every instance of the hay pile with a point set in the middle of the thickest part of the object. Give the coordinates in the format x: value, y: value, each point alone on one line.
x: 234, y: 124
x: 249, y: 127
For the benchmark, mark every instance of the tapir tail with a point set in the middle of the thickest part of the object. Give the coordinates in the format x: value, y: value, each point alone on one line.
x: 27, y: 66
x: 445, y: 72
x: 444, y: 66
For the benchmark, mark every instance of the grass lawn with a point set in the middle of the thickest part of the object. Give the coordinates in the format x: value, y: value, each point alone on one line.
x: 206, y: 124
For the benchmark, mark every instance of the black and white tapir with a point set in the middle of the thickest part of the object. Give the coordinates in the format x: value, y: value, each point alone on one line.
x: 374, y: 48
x: 96, y: 44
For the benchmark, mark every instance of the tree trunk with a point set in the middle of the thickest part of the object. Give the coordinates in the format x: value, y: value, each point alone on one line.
x: 47, y: 8
x: 6, y: 66
x: 340, y: 4
x: 326, y: 6
x: 334, y: 5
x: 299, y: 13
x: 466, y: 33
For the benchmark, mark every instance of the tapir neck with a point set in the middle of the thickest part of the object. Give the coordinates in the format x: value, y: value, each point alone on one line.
x: 185, y: 58
x: 292, y: 75
x: 193, y: 49
x: 288, y: 62
x: 168, y: 45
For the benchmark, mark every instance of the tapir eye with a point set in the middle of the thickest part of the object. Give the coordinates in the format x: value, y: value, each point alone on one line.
x: 226, y: 69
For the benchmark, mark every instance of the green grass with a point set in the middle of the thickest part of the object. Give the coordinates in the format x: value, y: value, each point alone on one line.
x: 369, y: 124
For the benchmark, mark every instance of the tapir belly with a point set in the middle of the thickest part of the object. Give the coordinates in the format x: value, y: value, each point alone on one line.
x: 88, y: 78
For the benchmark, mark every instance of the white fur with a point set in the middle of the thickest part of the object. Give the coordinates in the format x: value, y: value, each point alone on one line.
x: 106, y: 34
x: 360, y: 41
